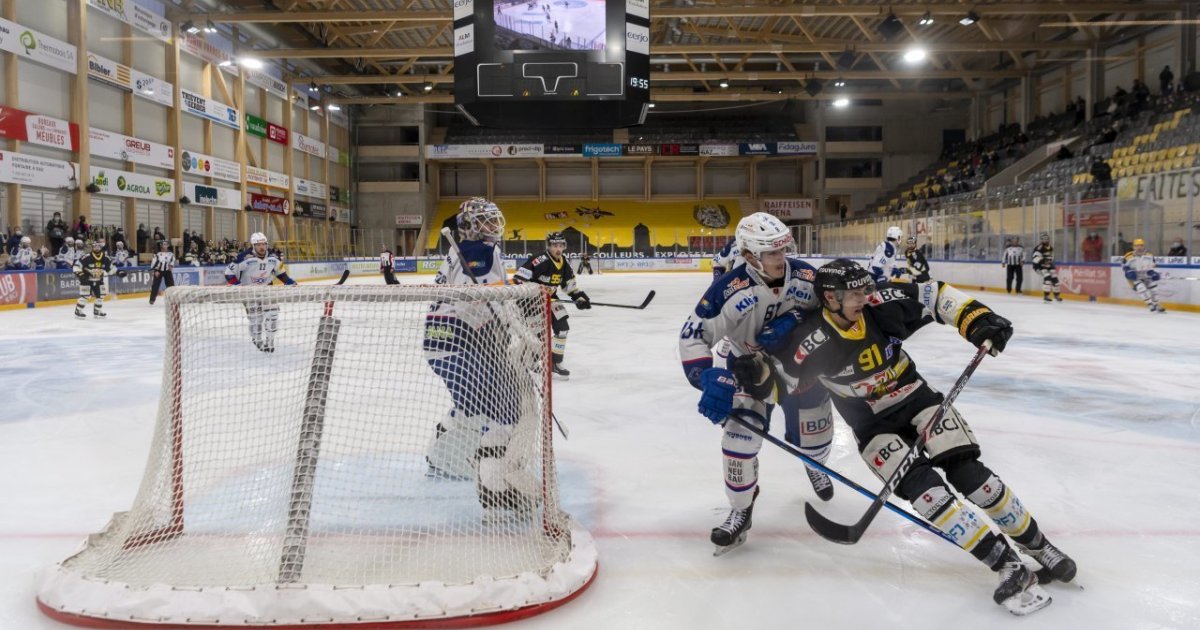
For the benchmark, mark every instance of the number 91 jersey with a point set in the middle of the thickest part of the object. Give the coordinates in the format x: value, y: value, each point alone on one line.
x: 736, y: 306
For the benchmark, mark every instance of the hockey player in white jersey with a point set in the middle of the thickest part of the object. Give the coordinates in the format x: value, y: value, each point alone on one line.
x: 462, y: 342
x: 65, y: 258
x: 768, y: 287
x: 21, y: 258
x: 1139, y: 268
x: 886, y: 262
x: 257, y: 267
x: 726, y: 259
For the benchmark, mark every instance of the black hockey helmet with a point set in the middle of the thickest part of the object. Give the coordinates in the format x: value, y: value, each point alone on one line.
x: 840, y: 275
x: 556, y: 238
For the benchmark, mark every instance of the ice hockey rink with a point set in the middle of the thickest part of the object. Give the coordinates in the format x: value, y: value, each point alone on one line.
x: 1092, y: 415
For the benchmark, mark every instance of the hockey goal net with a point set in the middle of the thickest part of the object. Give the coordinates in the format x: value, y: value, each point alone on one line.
x: 292, y: 477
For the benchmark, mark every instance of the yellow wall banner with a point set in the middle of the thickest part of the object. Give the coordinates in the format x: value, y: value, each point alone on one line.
x: 623, y: 224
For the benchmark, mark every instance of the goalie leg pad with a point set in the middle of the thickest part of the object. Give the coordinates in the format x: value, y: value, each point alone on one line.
x: 501, y: 479
x: 455, y: 444
x: 739, y: 452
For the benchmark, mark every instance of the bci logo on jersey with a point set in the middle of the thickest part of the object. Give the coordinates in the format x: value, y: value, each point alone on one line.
x: 747, y: 302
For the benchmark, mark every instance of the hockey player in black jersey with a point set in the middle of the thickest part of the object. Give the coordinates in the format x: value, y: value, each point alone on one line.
x: 1043, y: 263
x: 91, y: 270
x: 552, y: 270
x: 918, y: 267
x: 853, y: 348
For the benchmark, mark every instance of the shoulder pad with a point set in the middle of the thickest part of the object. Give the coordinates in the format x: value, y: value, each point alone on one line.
x: 721, y: 290
x: 802, y: 269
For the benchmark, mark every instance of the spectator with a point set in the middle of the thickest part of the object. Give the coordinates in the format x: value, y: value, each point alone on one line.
x: 1164, y: 80
x: 946, y: 251
x: 82, y: 229
x: 1101, y: 173
x: 1122, y: 246
x: 1093, y: 247
x: 1109, y: 135
x: 1080, y: 110
x: 56, y: 231
x: 1177, y: 248
x: 1063, y: 153
x: 158, y: 236
x: 198, y: 241
x: 118, y: 235
x: 14, y: 242
x: 842, y: 211
x: 142, y: 236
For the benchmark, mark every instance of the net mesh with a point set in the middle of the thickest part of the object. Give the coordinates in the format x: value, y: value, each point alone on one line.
x: 338, y: 436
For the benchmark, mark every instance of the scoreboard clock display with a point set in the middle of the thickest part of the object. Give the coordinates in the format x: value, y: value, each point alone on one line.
x: 552, y: 63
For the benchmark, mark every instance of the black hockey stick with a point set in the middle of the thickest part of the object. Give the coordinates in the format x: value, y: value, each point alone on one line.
x: 836, y: 475
x: 649, y: 296
x: 449, y: 236
x: 850, y: 534
x: 342, y: 280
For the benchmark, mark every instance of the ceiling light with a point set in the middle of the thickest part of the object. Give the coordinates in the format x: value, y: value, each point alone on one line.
x: 399, y: 93
x: 926, y: 20
x: 916, y: 54
x: 970, y: 18
x: 225, y: 63
x: 189, y: 27
x: 650, y: 105
x: 210, y: 27
x: 334, y: 107
x: 724, y: 83
x: 251, y: 63
x: 839, y: 83
x: 314, y: 108
x: 428, y: 87
x: 312, y: 86
x: 841, y: 102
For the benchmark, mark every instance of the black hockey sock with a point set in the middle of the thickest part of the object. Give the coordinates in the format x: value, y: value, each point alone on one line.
x: 993, y: 551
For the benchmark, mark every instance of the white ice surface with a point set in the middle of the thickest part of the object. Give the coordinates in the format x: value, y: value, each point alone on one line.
x: 1092, y: 416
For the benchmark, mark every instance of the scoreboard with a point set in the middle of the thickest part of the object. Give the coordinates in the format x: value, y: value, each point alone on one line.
x: 552, y: 64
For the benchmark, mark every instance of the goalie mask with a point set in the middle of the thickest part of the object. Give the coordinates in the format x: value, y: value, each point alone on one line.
x: 481, y: 222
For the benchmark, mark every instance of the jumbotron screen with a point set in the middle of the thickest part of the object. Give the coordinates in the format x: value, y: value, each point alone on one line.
x: 552, y: 63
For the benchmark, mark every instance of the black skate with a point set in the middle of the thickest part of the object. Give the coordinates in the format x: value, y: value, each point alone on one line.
x: 1018, y: 590
x: 732, y: 533
x: 1058, y: 565
x: 821, y: 483
x: 1046, y: 298
x: 79, y: 312
x: 266, y: 345
x: 1057, y: 297
x: 559, y: 370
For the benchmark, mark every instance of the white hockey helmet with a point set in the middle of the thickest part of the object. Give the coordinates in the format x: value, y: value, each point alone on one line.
x: 70, y: 240
x: 257, y: 237
x: 482, y: 221
x: 761, y: 232
x: 25, y: 241
x: 894, y: 232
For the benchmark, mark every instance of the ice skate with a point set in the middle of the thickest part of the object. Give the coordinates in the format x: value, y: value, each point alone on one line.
x: 821, y: 483
x: 1018, y: 590
x: 560, y: 371
x: 1058, y: 565
x: 79, y: 312
x: 732, y: 533
x: 98, y: 313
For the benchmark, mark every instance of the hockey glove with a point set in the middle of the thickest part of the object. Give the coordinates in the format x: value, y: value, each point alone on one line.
x: 121, y: 273
x: 753, y: 375
x: 990, y: 327
x: 582, y: 302
x: 1152, y: 275
x: 718, y: 386
x: 776, y: 332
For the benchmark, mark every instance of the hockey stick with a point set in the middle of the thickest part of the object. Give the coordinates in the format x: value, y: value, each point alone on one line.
x: 649, y: 296
x: 836, y: 475
x: 850, y: 534
x: 342, y: 280
x: 449, y: 236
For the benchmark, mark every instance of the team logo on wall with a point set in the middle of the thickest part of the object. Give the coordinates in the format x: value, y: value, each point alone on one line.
x: 594, y: 213
x: 711, y: 216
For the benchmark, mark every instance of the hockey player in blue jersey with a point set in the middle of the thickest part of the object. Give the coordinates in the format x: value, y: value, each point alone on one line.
x: 725, y: 259
x: 258, y: 267
x: 462, y: 341
x: 885, y: 262
x: 1139, y: 268
x: 768, y: 287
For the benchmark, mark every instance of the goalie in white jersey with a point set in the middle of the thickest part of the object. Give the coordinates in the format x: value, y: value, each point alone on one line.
x: 466, y: 345
x: 768, y: 287
x: 258, y: 267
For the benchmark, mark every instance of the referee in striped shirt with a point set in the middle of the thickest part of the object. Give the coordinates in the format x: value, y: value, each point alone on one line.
x: 1013, y: 261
